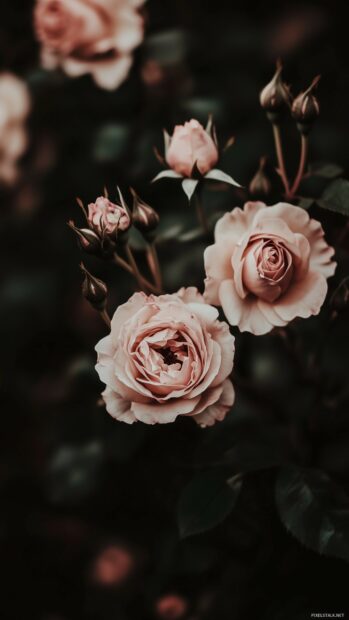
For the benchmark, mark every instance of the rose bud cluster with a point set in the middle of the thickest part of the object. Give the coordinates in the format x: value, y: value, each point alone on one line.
x: 89, y: 37
x: 14, y: 109
x: 167, y: 356
x: 191, y: 154
x: 305, y: 108
x: 267, y: 266
x: 275, y: 97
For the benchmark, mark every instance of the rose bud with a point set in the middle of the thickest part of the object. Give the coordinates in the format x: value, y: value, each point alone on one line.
x: 275, y: 96
x: 87, y: 239
x: 107, y: 218
x: 260, y: 184
x: 144, y: 217
x: 94, y: 290
x: 191, y: 145
x: 305, y: 108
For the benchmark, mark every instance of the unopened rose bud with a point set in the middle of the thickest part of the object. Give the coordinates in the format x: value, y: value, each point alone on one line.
x: 275, y: 96
x: 191, y: 147
x: 144, y: 217
x: 171, y: 607
x: 305, y: 108
x: 94, y: 290
x: 87, y: 239
x: 260, y: 184
x: 108, y: 218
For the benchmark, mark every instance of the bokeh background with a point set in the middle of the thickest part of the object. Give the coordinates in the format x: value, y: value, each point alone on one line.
x: 88, y: 526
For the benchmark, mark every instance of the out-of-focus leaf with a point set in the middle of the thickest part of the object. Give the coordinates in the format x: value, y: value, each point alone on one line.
x: 191, y: 235
x: 314, y: 510
x: 206, y: 501
x: 73, y: 471
x: 336, y: 197
x: 306, y: 203
x: 110, y: 142
x: 189, y: 186
x: 219, y: 175
x: 325, y: 170
x: 168, y: 47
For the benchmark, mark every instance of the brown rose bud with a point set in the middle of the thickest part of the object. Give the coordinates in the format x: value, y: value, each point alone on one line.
x: 275, y: 96
x: 87, y: 239
x: 94, y: 290
x: 260, y: 184
x: 305, y: 108
x: 144, y: 217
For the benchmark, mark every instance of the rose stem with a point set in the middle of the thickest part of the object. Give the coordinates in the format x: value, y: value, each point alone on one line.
x: 302, y: 164
x: 200, y: 214
x: 280, y: 158
x: 142, y: 282
x: 125, y: 265
x: 154, y: 265
x: 105, y: 316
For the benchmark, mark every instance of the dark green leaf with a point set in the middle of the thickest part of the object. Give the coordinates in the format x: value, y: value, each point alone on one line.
x: 314, y: 510
x: 336, y: 197
x: 306, y: 203
x: 325, y: 170
x: 206, y: 501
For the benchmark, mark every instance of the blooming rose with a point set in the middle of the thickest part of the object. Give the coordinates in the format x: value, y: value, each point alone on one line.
x: 105, y: 216
x: 267, y: 266
x: 191, y: 144
x: 14, y: 109
x: 167, y: 356
x: 89, y: 36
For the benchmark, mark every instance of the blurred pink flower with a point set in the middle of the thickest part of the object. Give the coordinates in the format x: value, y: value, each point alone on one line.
x: 191, y: 144
x: 89, y: 36
x: 267, y: 266
x: 167, y: 356
x: 112, y: 566
x: 105, y: 216
x: 14, y: 109
x: 171, y: 607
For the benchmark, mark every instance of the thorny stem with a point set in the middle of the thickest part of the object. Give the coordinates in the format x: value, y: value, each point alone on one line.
x: 105, y: 316
x: 200, y: 214
x: 302, y: 165
x: 280, y: 159
x: 154, y: 265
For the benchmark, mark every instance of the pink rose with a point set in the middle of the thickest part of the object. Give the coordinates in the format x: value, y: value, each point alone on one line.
x: 14, y: 109
x: 113, y: 566
x: 105, y: 216
x: 267, y: 266
x: 171, y: 607
x: 191, y: 144
x: 167, y: 356
x: 89, y: 36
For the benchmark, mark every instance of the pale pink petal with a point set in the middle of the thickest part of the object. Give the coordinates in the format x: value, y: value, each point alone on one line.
x: 233, y: 226
x: 242, y: 312
x: 217, y: 411
x: 117, y: 407
x: 221, y: 334
x: 110, y: 74
x: 303, y: 298
x: 163, y: 413
x: 190, y: 294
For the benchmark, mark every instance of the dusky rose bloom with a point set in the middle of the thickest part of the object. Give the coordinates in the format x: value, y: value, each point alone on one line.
x: 14, y: 109
x: 105, y: 216
x: 267, y: 266
x: 171, y: 607
x: 113, y: 566
x: 89, y: 36
x: 167, y: 356
x: 191, y: 144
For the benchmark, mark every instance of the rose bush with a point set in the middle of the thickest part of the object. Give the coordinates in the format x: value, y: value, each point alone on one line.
x: 191, y: 144
x: 14, y: 109
x: 167, y: 356
x: 267, y: 266
x: 105, y: 216
x: 89, y: 36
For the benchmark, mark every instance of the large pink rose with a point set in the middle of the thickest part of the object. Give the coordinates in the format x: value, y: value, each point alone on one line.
x: 268, y: 265
x: 14, y: 109
x: 191, y: 144
x: 89, y: 36
x: 105, y: 216
x: 167, y: 356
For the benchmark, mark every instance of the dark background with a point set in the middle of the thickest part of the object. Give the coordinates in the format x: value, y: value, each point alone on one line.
x: 73, y: 481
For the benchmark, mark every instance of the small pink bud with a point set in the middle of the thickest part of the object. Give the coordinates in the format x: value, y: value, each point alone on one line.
x: 171, y: 607
x: 94, y: 290
x: 144, y: 217
x: 87, y: 239
x: 275, y: 96
x: 191, y: 146
x: 305, y: 108
x: 108, y: 218
x: 260, y: 184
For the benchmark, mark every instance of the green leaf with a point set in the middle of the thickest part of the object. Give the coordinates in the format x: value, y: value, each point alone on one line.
x: 314, y: 510
x: 306, y: 203
x: 206, y: 501
x: 336, y: 197
x: 325, y: 170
